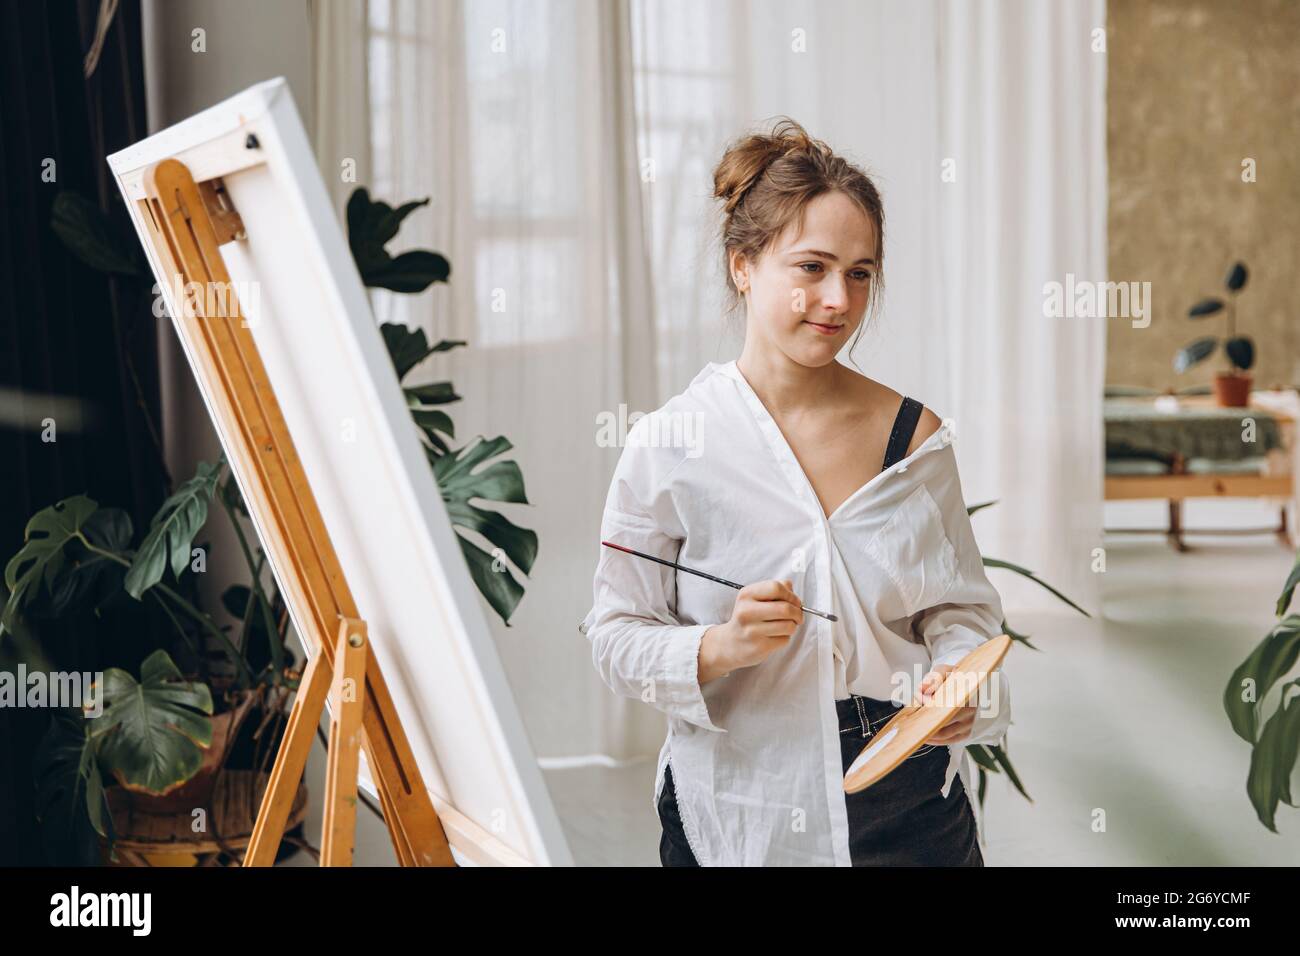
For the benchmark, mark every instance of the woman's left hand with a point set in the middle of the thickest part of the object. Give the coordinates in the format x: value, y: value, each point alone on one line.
x: 957, y: 729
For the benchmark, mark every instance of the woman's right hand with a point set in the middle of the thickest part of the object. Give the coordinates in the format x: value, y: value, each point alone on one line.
x: 766, y: 614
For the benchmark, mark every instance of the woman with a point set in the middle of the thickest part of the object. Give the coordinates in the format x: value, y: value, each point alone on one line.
x: 827, y: 489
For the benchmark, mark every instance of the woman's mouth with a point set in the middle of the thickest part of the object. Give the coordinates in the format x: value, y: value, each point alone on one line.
x: 825, y: 329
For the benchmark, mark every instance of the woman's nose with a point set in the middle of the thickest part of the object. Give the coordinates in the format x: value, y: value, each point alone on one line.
x: 835, y: 293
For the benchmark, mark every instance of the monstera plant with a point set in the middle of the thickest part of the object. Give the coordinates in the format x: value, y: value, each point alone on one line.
x: 465, y: 473
x: 157, y: 728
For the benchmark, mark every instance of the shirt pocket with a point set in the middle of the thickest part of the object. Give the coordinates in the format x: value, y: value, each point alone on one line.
x: 914, y: 550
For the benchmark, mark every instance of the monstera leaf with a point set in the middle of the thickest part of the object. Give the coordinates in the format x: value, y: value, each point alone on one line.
x: 501, y: 481
x: 55, y: 570
x: 171, y: 534
x: 70, y: 792
x: 371, y: 224
x: 152, y: 733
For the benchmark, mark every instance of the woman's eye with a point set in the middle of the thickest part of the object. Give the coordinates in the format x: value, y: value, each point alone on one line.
x: 807, y: 265
x: 863, y: 275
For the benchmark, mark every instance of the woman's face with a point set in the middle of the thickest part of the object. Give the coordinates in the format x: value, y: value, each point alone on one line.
x: 808, y: 293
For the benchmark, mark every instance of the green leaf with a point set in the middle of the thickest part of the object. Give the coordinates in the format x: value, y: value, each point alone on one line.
x: 1288, y: 589
x: 979, y: 507
x: 1241, y: 352
x: 93, y: 237
x: 371, y: 224
x: 1236, y: 277
x: 1194, y: 352
x: 430, y: 419
x: 438, y: 449
x: 499, y: 587
x: 152, y: 734
x: 995, y: 563
x: 407, y: 348
x: 410, y: 272
x: 70, y: 803
x: 435, y: 393
x: 519, y: 544
x: 172, y: 531
x: 459, y: 482
x: 39, y: 570
x: 1268, y: 663
x: 1017, y: 636
x: 983, y: 759
x: 1003, y: 761
x: 1274, y: 758
x: 1205, y: 307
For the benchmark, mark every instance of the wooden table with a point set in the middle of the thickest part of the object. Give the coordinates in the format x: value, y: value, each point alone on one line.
x: 1181, y: 474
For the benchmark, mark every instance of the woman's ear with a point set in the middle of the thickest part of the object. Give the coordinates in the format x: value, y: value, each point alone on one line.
x: 739, y: 271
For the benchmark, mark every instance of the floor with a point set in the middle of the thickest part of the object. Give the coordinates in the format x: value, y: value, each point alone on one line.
x: 1136, y: 765
x: 1132, y: 764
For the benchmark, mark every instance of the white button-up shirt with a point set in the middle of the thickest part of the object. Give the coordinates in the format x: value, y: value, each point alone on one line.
x: 709, y: 481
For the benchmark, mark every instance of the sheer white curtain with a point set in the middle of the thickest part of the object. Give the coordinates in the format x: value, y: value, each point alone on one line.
x: 567, y: 148
x: 515, y: 119
x: 983, y: 125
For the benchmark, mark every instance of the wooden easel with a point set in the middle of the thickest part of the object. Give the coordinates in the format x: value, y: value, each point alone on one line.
x: 188, y: 222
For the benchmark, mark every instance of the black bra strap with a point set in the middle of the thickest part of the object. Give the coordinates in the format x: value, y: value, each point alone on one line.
x: 909, y: 413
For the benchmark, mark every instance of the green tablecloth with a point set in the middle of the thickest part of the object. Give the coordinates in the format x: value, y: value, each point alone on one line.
x: 1134, y: 429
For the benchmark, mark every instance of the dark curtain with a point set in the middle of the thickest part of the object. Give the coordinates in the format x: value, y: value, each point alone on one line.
x: 76, y: 345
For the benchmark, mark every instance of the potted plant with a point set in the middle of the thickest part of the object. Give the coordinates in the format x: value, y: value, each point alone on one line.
x: 1231, y: 387
x: 165, y: 737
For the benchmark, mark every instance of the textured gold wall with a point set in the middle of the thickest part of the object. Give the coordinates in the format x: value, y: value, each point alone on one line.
x: 1194, y: 87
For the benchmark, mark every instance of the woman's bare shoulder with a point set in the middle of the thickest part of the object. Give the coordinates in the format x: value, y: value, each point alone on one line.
x: 876, y: 399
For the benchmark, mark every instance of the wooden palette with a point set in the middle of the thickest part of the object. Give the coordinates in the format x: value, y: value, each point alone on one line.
x: 912, y: 726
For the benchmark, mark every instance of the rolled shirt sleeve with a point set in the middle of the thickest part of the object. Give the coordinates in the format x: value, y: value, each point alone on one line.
x: 639, y: 646
x: 971, y: 612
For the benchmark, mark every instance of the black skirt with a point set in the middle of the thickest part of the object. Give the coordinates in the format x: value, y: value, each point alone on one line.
x: 900, y: 820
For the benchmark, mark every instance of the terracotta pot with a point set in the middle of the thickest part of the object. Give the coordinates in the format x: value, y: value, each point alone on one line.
x: 1232, y: 390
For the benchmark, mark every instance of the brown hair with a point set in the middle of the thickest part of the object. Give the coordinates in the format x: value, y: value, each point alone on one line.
x: 765, y: 181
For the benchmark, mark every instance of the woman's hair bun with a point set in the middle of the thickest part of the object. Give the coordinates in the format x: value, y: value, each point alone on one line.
x: 746, y: 160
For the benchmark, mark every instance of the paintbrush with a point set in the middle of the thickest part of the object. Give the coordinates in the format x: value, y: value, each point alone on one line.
x: 730, y: 584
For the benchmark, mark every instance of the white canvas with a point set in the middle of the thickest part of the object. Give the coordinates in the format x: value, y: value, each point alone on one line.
x: 327, y: 363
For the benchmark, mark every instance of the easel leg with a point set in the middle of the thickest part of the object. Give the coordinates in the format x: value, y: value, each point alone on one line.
x: 189, y: 223
x: 347, y: 699
x: 290, y: 763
